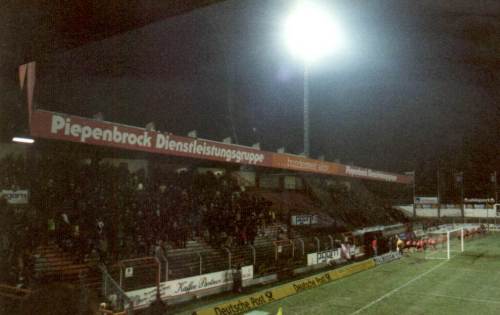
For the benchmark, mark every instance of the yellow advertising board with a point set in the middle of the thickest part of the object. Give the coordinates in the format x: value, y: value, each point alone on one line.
x: 249, y: 302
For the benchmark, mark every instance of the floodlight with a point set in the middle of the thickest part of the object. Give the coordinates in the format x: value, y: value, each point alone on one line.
x: 311, y: 32
x: 23, y: 140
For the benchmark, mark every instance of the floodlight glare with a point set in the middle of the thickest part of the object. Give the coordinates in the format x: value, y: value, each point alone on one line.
x: 311, y: 33
x: 23, y: 140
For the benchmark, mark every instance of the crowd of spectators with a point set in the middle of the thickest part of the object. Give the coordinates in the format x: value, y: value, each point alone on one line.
x: 106, y: 212
x: 358, y: 209
x: 18, y: 232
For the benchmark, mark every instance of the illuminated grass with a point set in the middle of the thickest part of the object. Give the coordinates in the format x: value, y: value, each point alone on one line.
x: 467, y: 284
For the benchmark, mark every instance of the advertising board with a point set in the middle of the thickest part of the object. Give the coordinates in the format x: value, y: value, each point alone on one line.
x: 58, y: 126
x: 249, y: 302
x: 15, y: 197
x: 143, y: 297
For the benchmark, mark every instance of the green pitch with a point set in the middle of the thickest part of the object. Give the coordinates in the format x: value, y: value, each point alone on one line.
x: 469, y: 283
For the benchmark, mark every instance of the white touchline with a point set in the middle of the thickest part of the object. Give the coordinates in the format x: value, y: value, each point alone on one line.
x: 398, y: 288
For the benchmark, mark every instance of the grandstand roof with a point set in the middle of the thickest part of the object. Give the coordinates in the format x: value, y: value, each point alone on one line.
x: 426, y: 90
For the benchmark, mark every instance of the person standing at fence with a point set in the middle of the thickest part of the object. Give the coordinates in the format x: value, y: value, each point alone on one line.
x: 237, y: 279
x: 394, y: 243
x: 374, y: 247
x: 400, y: 245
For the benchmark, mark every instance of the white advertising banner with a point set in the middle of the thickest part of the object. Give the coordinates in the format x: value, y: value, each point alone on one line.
x: 426, y: 200
x: 479, y: 200
x: 304, y: 219
x: 247, y: 272
x: 368, y: 173
x: 143, y: 297
x: 16, y: 197
x: 328, y: 256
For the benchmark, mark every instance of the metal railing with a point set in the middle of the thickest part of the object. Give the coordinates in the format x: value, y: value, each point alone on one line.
x: 301, y: 241
x: 228, y: 256
x: 114, y: 293
x: 162, y: 258
x: 283, y: 249
x: 318, y: 244
x: 201, y: 262
x: 254, y: 254
x: 331, y: 241
x: 142, y: 271
x: 266, y: 258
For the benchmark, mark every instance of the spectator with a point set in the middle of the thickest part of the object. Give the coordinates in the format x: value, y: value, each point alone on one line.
x: 400, y: 245
x: 80, y: 203
x: 237, y: 279
x: 374, y: 246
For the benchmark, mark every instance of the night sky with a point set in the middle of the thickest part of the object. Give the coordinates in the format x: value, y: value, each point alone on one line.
x: 418, y: 86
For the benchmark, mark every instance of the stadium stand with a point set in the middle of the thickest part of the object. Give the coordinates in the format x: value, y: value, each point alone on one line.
x: 167, y: 225
x: 52, y: 264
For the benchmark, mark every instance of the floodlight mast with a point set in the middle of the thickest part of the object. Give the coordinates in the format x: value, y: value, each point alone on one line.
x: 310, y: 35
